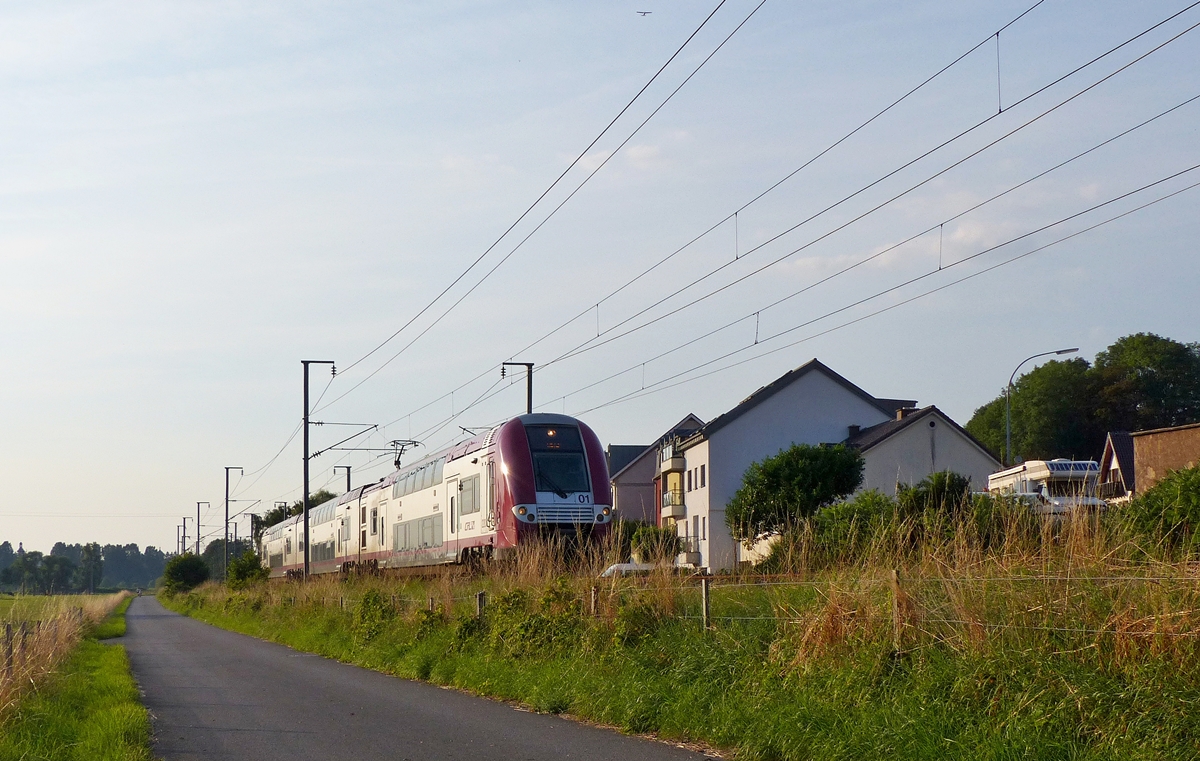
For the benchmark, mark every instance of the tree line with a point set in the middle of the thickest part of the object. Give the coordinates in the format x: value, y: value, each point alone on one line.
x: 79, y: 568
x: 1067, y: 408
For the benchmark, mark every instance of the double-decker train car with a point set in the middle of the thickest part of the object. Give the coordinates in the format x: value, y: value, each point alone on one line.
x: 480, y: 498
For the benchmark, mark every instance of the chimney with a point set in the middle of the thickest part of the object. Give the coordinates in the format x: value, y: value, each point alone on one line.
x: 904, y: 412
x: 854, y: 429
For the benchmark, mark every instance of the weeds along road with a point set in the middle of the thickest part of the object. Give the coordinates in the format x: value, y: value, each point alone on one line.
x: 215, y: 694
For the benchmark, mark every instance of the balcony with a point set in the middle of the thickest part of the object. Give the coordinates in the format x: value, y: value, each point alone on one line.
x: 689, y: 553
x: 672, y: 504
x: 670, y: 460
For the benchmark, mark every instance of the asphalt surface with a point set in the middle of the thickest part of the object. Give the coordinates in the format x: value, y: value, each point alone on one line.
x: 214, y: 694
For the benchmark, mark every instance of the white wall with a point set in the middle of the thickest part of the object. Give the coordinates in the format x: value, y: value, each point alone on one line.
x: 919, y: 450
x: 633, y: 492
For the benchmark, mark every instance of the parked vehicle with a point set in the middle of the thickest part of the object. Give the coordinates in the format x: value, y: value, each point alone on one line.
x: 1052, y: 487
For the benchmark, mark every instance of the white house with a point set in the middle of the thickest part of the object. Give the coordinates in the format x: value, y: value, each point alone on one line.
x: 698, y: 473
x: 916, y: 443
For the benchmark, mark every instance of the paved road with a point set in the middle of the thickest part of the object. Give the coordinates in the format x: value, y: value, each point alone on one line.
x: 219, y: 695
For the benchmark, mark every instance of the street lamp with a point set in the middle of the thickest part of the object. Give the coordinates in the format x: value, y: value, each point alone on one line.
x: 1008, y: 399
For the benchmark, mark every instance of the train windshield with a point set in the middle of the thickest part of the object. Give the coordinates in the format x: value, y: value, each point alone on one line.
x: 559, y: 465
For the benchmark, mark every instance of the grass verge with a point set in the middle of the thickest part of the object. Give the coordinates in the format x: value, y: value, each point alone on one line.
x: 88, y: 709
x: 823, y: 683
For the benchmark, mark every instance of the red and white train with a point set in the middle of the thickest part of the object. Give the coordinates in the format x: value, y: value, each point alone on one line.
x: 483, y: 497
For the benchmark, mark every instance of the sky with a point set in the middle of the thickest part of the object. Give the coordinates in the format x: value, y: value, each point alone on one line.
x: 194, y: 197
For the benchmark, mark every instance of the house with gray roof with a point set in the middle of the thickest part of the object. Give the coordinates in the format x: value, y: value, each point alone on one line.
x: 697, y: 474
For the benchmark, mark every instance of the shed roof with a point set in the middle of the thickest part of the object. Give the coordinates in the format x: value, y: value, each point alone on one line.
x: 1118, y: 445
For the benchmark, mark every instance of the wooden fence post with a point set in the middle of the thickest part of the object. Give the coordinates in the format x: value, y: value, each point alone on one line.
x: 480, y: 602
x: 8, y: 652
x: 706, y: 600
x: 897, y: 622
x: 431, y: 603
x: 595, y: 600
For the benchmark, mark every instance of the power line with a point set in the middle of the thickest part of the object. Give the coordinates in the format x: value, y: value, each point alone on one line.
x: 658, y: 386
x: 587, y: 345
x: 591, y: 342
x: 550, y: 215
x: 886, y: 250
x: 547, y: 190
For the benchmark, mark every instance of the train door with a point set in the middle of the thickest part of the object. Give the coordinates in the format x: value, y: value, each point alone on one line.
x: 452, y: 515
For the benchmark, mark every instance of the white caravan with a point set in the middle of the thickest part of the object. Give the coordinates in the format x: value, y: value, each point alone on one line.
x: 1053, y: 487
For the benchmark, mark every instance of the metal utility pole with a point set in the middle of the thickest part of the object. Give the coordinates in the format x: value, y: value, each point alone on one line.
x: 304, y: 504
x: 183, y: 547
x: 528, y: 382
x: 347, y: 467
x: 1008, y: 400
x: 177, y: 542
x: 227, y: 469
x: 198, y: 504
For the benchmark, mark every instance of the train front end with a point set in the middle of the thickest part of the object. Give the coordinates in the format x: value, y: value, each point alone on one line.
x: 553, y: 478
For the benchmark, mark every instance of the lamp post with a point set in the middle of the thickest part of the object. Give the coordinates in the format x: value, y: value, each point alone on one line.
x: 347, y: 467
x: 1008, y: 399
x: 227, y: 469
x: 304, y: 504
x: 198, y: 504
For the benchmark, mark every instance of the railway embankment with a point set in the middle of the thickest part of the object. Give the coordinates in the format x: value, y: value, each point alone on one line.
x: 1050, y: 647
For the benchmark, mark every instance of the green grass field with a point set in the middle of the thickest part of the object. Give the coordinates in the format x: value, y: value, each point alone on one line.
x: 18, y: 608
x: 88, y: 710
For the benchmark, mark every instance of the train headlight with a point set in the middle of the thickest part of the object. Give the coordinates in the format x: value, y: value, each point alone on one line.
x: 605, y: 511
x: 521, y: 511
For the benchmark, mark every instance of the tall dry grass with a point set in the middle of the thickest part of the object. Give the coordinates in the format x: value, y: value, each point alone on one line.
x: 35, y: 638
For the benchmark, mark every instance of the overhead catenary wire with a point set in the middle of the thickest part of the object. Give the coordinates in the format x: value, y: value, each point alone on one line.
x: 592, y: 342
x: 656, y: 387
x: 894, y: 246
x: 552, y: 212
x: 857, y: 264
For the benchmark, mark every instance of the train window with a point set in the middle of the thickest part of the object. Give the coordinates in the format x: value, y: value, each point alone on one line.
x: 559, y: 465
x: 468, y: 489
x: 374, y: 522
x: 438, y: 466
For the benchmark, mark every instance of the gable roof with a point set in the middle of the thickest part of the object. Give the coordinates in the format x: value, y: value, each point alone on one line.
x: 684, y: 427
x: 887, y: 406
x: 1118, y: 445
x: 877, y: 434
x: 620, y: 455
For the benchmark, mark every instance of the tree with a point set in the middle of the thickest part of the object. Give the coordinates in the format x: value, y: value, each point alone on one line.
x: 91, y: 567
x: 184, y: 572
x: 1065, y: 409
x: 58, y: 574
x: 945, y: 491
x: 25, y: 573
x: 779, y: 491
x: 6, y: 555
x: 1148, y: 382
x: 246, y: 569
x: 281, y: 513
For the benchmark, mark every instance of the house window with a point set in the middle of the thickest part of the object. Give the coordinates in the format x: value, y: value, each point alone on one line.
x: 689, y: 480
x: 703, y: 525
x: 702, y: 479
x: 696, y: 526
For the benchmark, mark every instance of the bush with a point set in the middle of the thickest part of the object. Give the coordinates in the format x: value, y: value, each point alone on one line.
x: 846, y: 529
x: 371, y: 616
x: 656, y: 545
x: 184, y: 572
x: 1168, y: 515
x: 780, y: 491
x: 245, y: 570
x: 944, y: 491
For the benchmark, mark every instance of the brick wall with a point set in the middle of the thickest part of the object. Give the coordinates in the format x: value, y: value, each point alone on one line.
x: 1157, y: 453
